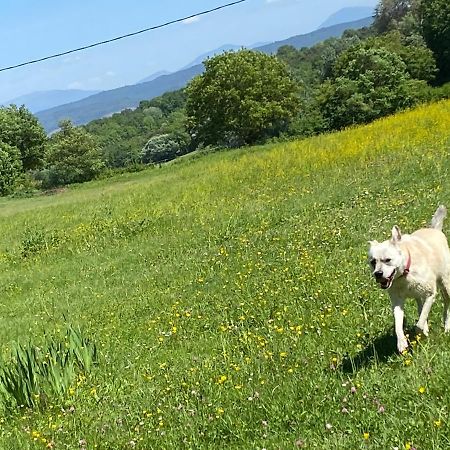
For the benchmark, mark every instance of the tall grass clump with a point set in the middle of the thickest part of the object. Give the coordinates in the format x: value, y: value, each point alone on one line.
x: 36, y: 376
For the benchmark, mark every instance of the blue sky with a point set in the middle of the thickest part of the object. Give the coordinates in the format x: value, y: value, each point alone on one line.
x: 31, y: 29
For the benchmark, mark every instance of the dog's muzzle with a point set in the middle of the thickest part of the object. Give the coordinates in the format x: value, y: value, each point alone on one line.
x: 385, y: 283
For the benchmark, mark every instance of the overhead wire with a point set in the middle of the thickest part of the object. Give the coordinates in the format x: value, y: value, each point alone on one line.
x: 124, y: 36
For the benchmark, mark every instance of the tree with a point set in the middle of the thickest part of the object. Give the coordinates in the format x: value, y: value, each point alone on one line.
x: 73, y: 156
x: 10, y: 168
x: 435, y: 26
x: 20, y: 129
x: 242, y: 97
x: 368, y: 83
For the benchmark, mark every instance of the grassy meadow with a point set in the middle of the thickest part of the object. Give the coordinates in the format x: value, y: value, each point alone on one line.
x: 230, y: 299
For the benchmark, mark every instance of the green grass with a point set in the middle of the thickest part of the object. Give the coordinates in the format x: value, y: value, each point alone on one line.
x: 230, y: 299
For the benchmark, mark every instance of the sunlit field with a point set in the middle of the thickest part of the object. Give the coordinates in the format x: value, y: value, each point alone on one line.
x: 230, y: 301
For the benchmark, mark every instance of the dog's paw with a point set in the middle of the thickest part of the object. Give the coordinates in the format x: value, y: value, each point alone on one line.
x: 402, y: 345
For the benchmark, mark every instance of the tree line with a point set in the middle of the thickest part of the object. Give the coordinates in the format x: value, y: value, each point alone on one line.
x: 247, y: 97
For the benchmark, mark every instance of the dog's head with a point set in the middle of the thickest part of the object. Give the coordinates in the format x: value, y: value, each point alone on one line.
x: 386, y: 260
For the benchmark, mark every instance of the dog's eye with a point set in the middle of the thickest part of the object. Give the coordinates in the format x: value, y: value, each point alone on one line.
x: 387, y: 260
x: 373, y: 262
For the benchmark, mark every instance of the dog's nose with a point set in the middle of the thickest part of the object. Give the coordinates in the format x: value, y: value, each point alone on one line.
x: 378, y: 274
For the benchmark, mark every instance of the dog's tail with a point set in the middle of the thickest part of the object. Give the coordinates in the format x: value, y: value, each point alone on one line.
x: 437, y: 221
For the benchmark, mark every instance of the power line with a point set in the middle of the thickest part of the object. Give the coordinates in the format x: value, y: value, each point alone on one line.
x: 171, y: 22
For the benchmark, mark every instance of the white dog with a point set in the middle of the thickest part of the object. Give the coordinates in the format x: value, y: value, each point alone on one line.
x: 414, y: 266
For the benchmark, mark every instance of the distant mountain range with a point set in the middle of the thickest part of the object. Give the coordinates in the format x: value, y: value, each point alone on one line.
x: 39, y: 101
x: 308, y: 40
x: 217, y: 51
x: 108, y: 102
x: 201, y: 58
x: 348, y: 15
x: 154, y: 76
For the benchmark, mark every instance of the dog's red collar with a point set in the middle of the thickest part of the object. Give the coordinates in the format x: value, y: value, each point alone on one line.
x: 408, y: 265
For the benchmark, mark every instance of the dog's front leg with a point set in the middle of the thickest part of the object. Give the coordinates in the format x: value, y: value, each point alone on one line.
x: 399, y: 315
x: 422, y: 322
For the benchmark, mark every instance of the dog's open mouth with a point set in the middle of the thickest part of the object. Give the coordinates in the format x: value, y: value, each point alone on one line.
x: 386, y: 283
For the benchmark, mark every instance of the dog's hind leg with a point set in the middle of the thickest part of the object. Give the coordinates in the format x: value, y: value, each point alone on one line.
x: 422, y: 322
x: 419, y: 312
x: 445, y: 289
x: 446, y: 312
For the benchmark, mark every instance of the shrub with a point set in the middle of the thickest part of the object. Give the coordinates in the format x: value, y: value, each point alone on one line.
x: 164, y: 147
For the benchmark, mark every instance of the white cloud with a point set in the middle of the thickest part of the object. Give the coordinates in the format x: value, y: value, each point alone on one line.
x: 110, y: 73
x: 191, y: 20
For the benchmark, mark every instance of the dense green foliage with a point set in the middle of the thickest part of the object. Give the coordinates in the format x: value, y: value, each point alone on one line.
x: 73, y: 156
x: 20, y: 129
x: 311, y: 66
x: 387, y: 74
x: 10, y: 167
x: 123, y: 136
x: 428, y: 18
x: 367, y: 83
x: 435, y: 25
x: 241, y: 98
x: 418, y: 58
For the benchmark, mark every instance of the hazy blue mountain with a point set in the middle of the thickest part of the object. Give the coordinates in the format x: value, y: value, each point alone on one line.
x: 155, y: 75
x: 308, y: 40
x: 108, y: 102
x: 115, y: 100
x: 38, y: 101
x: 258, y: 44
x: 196, y: 61
x: 217, y: 51
x: 348, y: 15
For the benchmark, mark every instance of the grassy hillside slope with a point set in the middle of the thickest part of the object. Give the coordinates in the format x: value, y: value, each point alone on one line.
x: 230, y: 297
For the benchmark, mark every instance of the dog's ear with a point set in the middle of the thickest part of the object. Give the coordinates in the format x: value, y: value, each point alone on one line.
x: 396, y: 234
x: 372, y: 243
